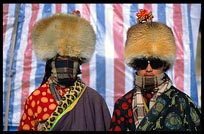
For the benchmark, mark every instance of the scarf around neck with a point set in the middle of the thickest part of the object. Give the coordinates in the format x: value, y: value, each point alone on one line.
x: 158, y: 84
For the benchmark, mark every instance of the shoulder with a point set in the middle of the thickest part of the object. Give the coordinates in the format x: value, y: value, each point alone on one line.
x: 40, y: 89
x: 180, y: 96
x: 93, y: 98
x: 179, y: 92
x: 43, y: 90
x: 126, y: 97
x: 184, y: 102
x: 92, y: 93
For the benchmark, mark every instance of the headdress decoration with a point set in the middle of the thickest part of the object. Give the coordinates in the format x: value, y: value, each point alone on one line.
x: 77, y: 12
x: 144, y: 16
x: 65, y: 35
x: 149, y: 39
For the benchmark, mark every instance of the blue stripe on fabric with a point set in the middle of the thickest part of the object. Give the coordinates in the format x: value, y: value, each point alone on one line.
x: 193, y: 88
x: 7, y: 73
x: 47, y: 10
x: 70, y: 8
x: 133, y: 10
x: 21, y: 20
x: 161, y: 13
x: 10, y: 114
x: 100, y: 50
x: 7, y: 66
x: 11, y: 128
x: 40, y: 67
x: 39, y: 74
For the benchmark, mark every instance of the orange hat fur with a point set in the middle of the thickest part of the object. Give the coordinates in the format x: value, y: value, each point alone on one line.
x: 63, y: 34
x: 150, y: 39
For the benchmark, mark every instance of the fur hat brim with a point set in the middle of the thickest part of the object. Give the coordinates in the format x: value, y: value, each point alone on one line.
x: 63, y: 34
x: 151, y: 39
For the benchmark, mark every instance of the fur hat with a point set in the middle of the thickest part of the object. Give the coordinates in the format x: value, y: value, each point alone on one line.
x: 150, y: 39
x: 63, y: 34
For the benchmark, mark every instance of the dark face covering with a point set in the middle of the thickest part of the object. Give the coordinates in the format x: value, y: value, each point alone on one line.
x: 64, y: 70
x: 150, y: 83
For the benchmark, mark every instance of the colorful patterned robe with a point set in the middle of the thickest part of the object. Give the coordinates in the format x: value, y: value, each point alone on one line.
x: 173, y: 111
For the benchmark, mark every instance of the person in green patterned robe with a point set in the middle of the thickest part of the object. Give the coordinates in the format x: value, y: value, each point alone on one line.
x: 154, y: 104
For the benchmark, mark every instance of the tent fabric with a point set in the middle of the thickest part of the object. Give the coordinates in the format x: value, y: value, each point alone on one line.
x: 106, y: 72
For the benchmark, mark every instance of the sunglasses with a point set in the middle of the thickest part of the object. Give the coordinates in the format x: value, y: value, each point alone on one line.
x: 143, y: 63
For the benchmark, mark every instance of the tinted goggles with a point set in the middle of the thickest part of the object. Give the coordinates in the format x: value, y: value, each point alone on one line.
x: 143, y: 63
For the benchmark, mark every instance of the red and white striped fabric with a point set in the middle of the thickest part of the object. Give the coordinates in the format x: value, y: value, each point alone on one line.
x: 106, y: 72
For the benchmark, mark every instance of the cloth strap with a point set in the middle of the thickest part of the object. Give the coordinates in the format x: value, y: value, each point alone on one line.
x: 160, y: 83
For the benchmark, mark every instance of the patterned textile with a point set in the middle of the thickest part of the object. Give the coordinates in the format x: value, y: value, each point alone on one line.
x: 150, y: 83
x: 90, y: 114
x: 41, y: 105
x: 64, y: 70
x: 107, y: 72
x: 66, y: 101
x: 173, y: 110
x: 158, y: 84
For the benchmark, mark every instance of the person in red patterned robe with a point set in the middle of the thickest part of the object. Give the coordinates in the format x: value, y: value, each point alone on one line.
x: 63, y: 102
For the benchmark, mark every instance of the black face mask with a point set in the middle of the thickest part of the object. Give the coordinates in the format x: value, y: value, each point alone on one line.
x: 65, y: 70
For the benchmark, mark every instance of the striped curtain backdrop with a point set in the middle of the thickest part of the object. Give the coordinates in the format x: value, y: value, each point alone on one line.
x: 106, y: 72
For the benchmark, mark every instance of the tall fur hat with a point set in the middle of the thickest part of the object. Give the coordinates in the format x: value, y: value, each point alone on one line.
x: 63, y: 34
x: 150, y: 39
